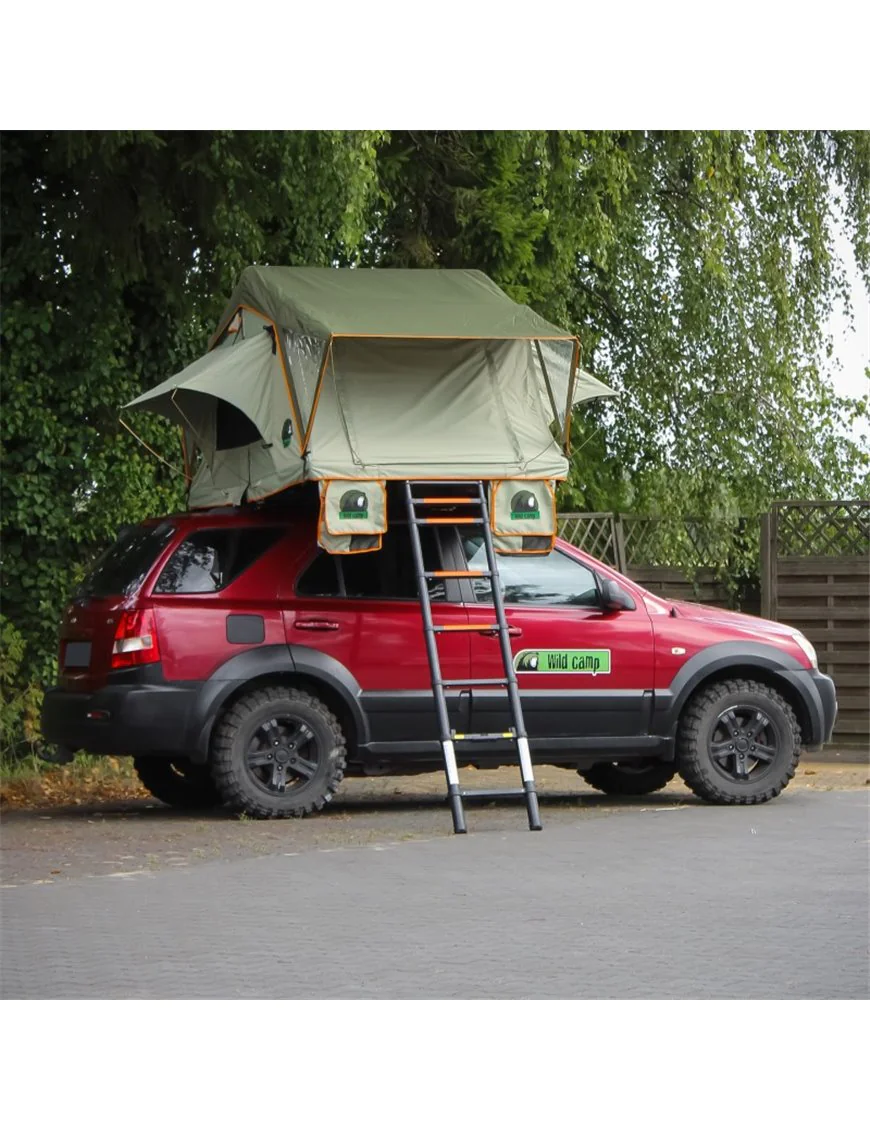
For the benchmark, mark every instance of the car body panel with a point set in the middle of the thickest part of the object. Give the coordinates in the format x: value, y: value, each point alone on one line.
x: 370, y: 654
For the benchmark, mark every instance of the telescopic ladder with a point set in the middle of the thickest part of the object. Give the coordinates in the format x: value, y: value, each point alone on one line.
x: 420, y: 513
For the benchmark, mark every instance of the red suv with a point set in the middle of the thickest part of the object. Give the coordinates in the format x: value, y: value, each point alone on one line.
x: 239, y: 664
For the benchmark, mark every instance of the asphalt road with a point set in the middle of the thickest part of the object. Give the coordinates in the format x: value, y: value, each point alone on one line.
x: 641, y: 902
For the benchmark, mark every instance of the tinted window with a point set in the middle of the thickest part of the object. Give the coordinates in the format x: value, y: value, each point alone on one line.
x: 387, y: 573
x: 123, y: 567
x: 321, y: 579
x: 548, y: 579
x: 208, y: 560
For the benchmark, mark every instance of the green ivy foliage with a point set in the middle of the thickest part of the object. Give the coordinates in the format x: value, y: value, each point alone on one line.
x: 118, y: 252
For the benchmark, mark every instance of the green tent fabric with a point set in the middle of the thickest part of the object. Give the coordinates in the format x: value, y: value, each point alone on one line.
x: 389, y: 302
x: 372, y: 374
x: 247, y: 376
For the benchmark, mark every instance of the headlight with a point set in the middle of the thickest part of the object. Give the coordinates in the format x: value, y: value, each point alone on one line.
x: 807, y: 649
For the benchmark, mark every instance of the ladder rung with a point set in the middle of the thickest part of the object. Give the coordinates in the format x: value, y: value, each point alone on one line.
x: 440, y: 500
x: 444, y: 521
x: 462, y: 627
x: 495, y: 736
x: 474, y: 683
x: 457, y: 573
x: 492, y: 794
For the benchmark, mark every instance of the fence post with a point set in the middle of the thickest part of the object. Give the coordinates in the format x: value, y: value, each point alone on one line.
x: 619, y: 543
x: 765, y: 564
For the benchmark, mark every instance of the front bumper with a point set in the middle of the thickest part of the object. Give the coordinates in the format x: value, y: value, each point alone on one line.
x: 121, y: 718
x: 819, y: 696
x: 828, y: 695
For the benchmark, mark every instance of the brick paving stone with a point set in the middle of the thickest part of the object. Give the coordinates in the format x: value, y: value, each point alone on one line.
x: 763, y: 902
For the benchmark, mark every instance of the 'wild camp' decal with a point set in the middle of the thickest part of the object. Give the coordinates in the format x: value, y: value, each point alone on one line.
x: 573, y: 661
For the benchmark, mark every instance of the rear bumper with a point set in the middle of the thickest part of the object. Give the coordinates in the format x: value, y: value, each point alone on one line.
x: 131, y: 718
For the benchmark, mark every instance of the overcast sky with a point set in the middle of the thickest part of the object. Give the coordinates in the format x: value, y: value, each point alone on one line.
x: 851, y: 345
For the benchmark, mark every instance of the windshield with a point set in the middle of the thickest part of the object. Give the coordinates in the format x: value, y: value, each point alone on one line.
x: 123, y: 567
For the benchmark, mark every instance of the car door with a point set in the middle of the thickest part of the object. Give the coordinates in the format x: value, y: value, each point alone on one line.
x: 363, y: 610
x: 583, y: 671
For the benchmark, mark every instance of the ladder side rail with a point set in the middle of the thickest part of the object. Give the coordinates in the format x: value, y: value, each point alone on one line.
x: 450, y: 766
x: 522, y: 740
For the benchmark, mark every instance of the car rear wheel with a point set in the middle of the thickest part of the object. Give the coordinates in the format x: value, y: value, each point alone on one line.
x: 278, y: 752
x: 629, y: 779
x: 177, y: 782
x: 738, y: 743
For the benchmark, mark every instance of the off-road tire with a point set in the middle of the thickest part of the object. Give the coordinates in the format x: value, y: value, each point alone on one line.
x: 627, y: 780
x: 704, y: 775
x: 177, y: 782
x: 235, y: 730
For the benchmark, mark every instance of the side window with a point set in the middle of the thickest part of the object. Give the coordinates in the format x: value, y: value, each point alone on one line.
x: 321, y: 578
x: 209, y: 560
x: 388, y: 573
x: 551, y: 579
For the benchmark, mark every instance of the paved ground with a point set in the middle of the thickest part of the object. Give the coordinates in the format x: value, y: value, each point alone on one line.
x: 55, y: 843
x: 660, y: 899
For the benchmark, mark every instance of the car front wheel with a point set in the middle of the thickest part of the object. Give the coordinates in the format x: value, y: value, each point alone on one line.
x: 738, y: 743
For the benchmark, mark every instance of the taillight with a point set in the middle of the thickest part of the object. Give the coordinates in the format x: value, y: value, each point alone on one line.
x: 135, y: 639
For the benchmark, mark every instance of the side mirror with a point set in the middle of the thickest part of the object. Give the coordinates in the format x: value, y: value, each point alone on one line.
x: 613, y: 596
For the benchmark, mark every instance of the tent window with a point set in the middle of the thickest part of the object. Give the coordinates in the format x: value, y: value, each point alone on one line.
x: 234, y: 429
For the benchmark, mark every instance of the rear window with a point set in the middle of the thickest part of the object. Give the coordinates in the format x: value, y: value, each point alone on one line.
x: 120, y: 571
x: 209, y: 560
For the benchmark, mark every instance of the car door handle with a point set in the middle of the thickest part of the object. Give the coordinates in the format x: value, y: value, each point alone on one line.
x: 512, y: 631
x: 318, y: 625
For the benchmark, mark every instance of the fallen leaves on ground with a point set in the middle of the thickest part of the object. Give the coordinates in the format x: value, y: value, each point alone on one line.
x: 96, y: 780
x: 106, y: 779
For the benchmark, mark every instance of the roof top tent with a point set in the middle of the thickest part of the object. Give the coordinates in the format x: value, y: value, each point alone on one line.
x: 330, y: 374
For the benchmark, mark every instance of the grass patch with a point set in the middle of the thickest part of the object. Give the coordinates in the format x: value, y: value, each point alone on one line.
x: 29, y: 783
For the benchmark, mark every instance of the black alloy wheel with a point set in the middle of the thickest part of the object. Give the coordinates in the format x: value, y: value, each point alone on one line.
x: 745, y: 743
x: 283, y: 754
x: 278, y: 752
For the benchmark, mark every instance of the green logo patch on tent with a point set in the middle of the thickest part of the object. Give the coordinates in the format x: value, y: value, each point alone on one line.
x: 354, y: 504
x: 525, y: 505
x: 571, y: 661
x: 520, y: 509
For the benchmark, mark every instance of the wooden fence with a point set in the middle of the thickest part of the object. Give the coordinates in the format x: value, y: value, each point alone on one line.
x: 814, y: 564
x: 815, y: 575
x: 669, y: 557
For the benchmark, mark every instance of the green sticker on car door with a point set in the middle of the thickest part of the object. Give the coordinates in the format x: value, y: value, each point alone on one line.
x: 571, y: 661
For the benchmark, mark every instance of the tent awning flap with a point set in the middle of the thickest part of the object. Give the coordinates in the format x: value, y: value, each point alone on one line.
x: 241, y: 375
x: 586, y: 387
